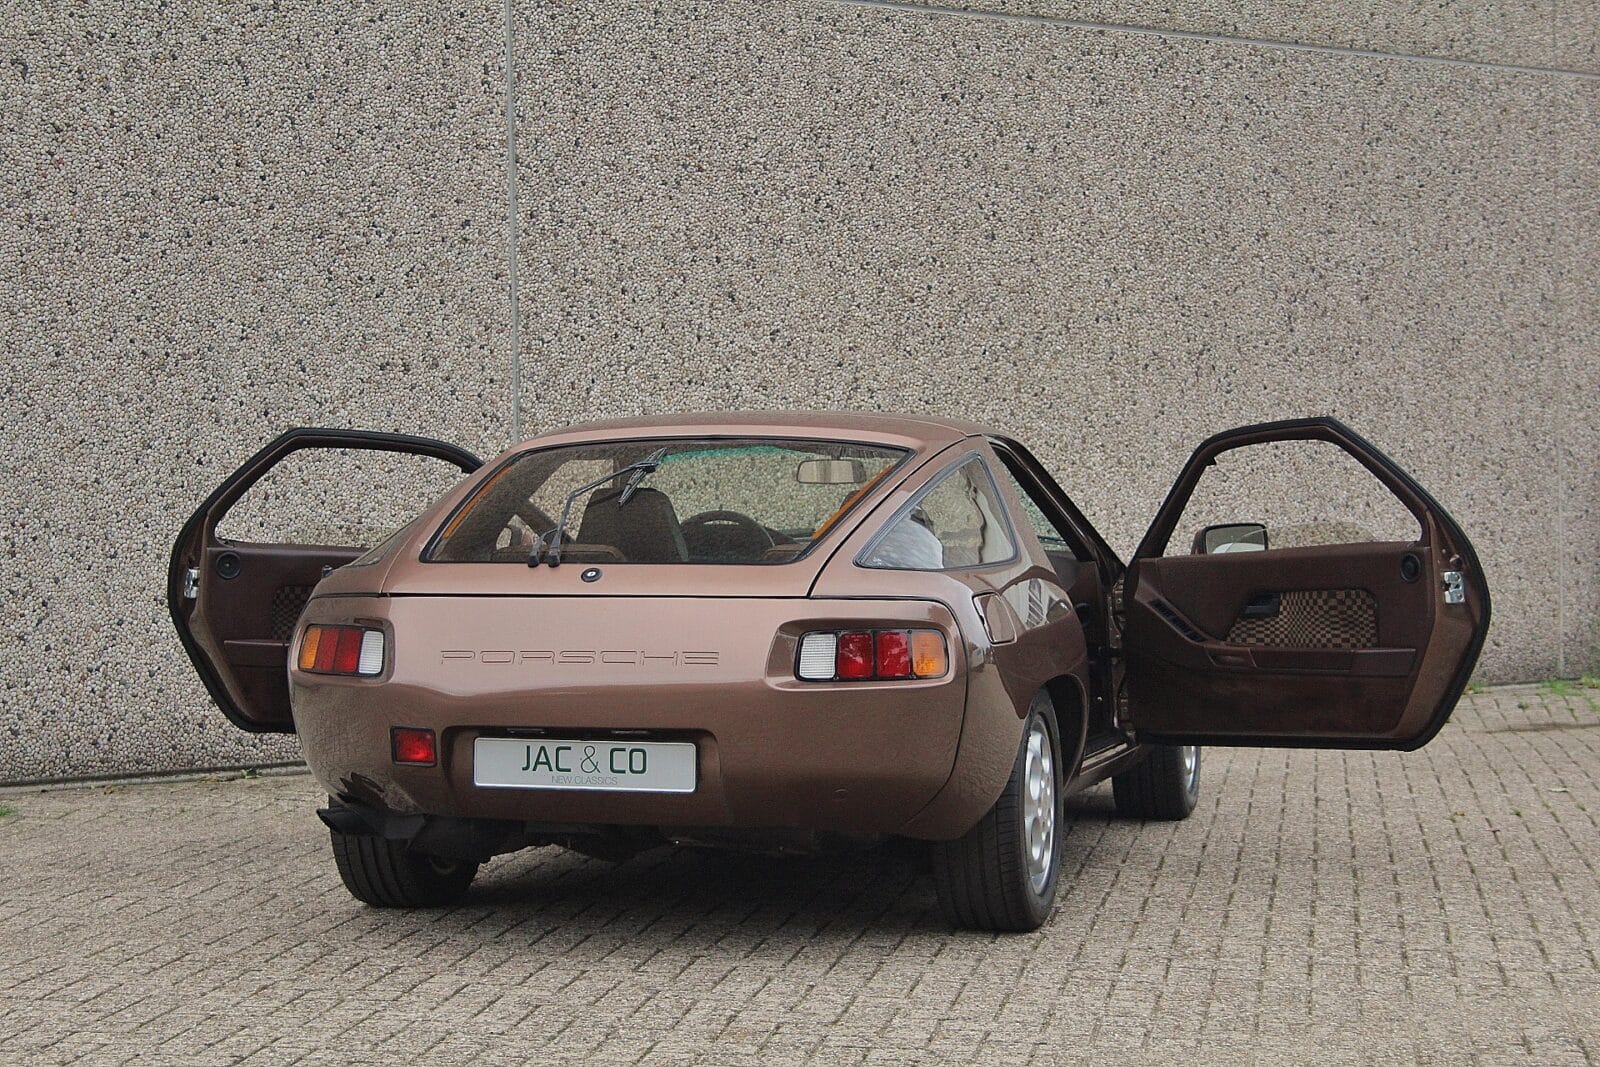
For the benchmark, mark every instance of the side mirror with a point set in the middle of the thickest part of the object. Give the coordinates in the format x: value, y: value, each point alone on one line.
x: 1231, y: 537
x: 830, y: 472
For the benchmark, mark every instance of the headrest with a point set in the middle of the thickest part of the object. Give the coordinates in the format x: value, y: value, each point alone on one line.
x: 644, y: 530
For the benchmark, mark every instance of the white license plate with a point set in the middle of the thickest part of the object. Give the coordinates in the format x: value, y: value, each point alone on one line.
x: 553, y: 763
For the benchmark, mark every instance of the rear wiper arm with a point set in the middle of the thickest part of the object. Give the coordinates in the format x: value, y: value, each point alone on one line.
x: 638, y: 470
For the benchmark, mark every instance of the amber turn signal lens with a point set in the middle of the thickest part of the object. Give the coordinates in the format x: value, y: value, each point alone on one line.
x: 929, y: 657
x: 308, y: 647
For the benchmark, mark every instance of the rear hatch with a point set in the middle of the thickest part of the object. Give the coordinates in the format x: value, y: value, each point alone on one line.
x: 660, y: 516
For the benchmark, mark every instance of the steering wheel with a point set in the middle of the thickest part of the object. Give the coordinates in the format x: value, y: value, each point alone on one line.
x: 729, y: 534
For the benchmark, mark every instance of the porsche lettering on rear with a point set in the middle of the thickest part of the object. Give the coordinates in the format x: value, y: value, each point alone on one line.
x: 586, y: 657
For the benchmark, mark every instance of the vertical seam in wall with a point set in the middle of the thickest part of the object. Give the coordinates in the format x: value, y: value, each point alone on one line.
x: 1562, y: 550
x: 1559, y: 267
x: 1565, y: 405
x: 513, y: 223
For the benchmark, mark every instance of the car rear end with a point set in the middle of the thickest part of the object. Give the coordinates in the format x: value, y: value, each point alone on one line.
x: 671, y: 672
x: 651, y: 711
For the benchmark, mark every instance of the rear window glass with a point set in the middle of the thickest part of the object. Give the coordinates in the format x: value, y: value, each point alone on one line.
x: 677, y: 500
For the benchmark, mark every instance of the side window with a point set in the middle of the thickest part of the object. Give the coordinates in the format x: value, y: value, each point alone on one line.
x: 957, y: 521
x: 1289, y: 494
x: 346, y: 497
x: 1055, y: 540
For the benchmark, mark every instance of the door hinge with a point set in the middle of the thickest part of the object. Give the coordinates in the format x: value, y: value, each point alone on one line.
x: 191, y: 583
x: 1455, y: 590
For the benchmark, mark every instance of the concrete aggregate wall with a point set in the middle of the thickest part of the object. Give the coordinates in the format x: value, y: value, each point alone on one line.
x: 1560, y: 34
x: 220, y: 222
x: 217, y: 224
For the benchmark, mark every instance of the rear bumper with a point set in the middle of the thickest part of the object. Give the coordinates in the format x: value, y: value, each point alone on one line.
x: 771, y: 751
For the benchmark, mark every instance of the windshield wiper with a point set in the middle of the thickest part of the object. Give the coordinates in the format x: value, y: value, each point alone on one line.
x: 637, y: 470
x: 644, y: 467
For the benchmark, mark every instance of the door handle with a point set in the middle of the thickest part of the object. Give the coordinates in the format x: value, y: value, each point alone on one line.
x: 1263, y: 606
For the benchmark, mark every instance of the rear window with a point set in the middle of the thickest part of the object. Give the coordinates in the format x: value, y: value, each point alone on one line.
x: 664, y: 500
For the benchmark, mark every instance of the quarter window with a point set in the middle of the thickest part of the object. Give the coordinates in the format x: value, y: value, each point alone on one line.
x: 955, y: 522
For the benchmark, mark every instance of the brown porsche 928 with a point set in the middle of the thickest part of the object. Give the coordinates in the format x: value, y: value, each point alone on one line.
x: 777, y: 629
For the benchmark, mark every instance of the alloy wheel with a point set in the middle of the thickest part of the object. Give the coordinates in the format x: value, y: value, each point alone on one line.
x: 1039, y: 806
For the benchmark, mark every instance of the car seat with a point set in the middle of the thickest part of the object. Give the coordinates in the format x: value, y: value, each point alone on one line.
x: 645, y: 530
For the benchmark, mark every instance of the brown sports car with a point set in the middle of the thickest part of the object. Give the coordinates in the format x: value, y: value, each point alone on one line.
x: 782, y: 630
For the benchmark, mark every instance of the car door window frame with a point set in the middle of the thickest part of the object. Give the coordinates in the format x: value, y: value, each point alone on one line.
x: 1087, y: 543
x: 1412, y: 496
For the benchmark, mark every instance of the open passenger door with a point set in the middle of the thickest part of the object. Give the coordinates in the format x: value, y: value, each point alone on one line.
x: 1348, y: 643
x: 235, y: 604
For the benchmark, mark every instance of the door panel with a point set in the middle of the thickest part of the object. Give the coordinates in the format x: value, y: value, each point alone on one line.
x: 235, y: 605
x: 249, y: 618
x: 1343, y: 645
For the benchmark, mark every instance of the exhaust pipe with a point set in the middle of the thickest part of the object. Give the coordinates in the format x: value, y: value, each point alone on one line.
x: 344, y: 820
x: 449, y: 837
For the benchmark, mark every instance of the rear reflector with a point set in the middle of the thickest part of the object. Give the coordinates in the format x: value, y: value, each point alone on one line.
x: 348, y: 650
x: 871, y: 655
x: 414, y: 746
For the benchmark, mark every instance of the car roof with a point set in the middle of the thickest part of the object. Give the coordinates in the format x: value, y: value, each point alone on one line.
x: 917, y: 432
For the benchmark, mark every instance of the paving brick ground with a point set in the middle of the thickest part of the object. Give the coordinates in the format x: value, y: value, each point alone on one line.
x: 1439, y: 907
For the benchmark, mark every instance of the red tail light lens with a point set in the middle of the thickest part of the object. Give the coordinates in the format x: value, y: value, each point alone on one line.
x: 871, y: 655
x: 894, y: 654
x: 854, y: 656
x: 414, y: 746
x: 346, y: 651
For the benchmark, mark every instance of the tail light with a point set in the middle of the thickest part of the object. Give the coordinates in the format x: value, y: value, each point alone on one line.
x: 348, y: 650
x: 871, y: 655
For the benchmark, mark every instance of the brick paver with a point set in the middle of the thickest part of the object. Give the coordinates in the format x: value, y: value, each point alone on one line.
x: 1438, y: 907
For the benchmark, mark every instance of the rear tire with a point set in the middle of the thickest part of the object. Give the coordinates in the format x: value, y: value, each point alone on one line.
x: 1165, y: 785
x: 387, y: 874
x: 1002, y: 874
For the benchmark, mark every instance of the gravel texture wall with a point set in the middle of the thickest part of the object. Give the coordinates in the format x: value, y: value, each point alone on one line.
x: 1107, y: 240
x: 1560, y: 34
x: 217, y: 225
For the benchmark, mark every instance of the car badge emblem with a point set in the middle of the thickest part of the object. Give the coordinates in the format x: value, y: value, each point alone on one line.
x: 590, y: 574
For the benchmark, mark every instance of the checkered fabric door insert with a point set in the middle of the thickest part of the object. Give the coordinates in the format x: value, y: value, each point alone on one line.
x: 1314, y: 618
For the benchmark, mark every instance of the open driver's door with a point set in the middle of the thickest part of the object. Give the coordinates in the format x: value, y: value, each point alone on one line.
x: 235, y: 604
x: 1382, y: 640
